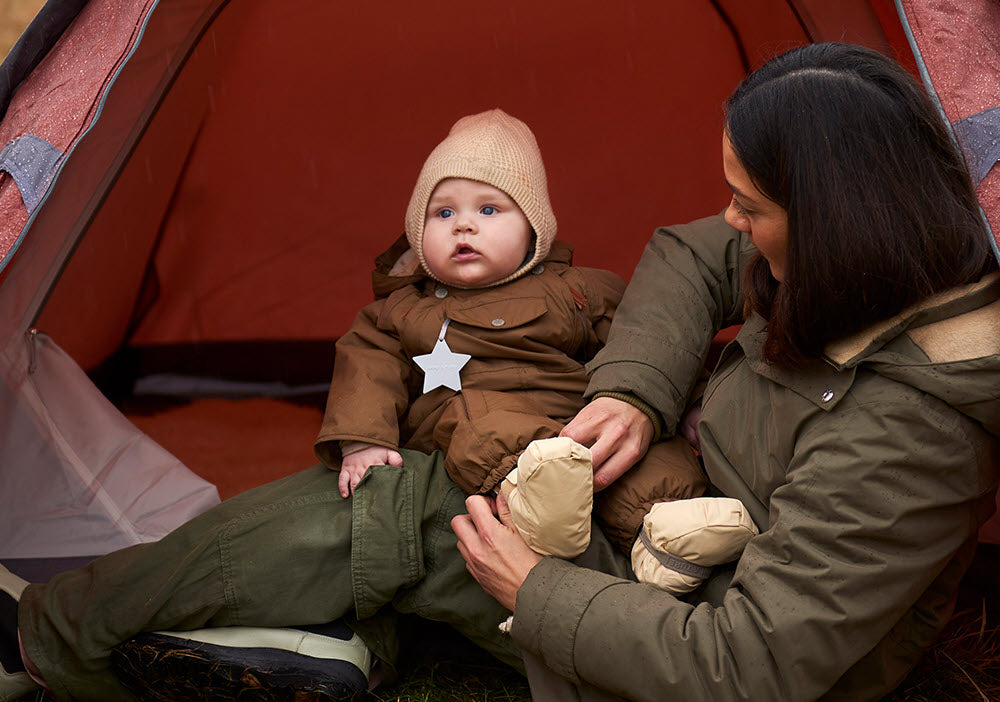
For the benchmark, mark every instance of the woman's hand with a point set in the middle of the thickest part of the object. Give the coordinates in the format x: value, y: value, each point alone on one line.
x: 617, y: 433
x: 355, y: 464
x: 689, y: 426
x: 494, y: 552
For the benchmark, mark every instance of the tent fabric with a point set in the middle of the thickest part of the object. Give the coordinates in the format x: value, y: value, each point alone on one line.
x: 32, y: 46
x: 78, y: 477
x: 76, y: 472
x: 277, y: 434
x: 957, y: 46
x: 90, y: 56
x: 229, y: 171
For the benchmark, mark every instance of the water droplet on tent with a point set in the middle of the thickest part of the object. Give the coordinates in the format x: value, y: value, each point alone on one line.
x: 314, y: 173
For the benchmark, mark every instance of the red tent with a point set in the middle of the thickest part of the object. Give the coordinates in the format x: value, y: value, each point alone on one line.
x: 193, y: 192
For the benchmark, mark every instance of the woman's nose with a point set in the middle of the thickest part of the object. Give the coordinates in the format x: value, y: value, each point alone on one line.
x: 736, y: 220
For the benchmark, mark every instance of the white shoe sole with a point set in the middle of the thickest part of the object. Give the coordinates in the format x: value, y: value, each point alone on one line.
x: 352, y: 650
x: 12, y: 584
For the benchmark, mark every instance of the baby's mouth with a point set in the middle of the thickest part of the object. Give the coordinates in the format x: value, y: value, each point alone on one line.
x: 464, y: 252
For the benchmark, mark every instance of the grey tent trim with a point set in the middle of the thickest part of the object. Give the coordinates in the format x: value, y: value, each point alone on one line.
x: 30, y: 160
x: 980, y: 136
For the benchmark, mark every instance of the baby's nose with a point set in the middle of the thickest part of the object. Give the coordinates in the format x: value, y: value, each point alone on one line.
x: 464, y: 225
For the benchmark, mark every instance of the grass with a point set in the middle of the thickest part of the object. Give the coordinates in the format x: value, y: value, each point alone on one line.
x: 443, y: 667
x: 964, y: 664
x: 449, y: 681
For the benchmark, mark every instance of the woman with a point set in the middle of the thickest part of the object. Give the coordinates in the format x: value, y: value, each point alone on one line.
x: 856, y: 414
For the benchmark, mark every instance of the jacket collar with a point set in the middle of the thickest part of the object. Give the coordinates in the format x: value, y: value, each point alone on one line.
x: 969, y: 330
x: 818, y: 381
x: 941, y: 325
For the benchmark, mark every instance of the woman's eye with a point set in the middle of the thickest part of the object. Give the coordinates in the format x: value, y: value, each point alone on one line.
x: 488, y: 210
x: 445, y: 213
x: 740, y: 208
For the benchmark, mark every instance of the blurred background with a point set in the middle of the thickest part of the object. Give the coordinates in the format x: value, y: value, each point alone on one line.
x: 14, y: 17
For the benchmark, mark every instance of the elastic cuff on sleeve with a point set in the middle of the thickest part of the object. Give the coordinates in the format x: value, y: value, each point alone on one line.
x: 639, y: 404
x: 349, y: 447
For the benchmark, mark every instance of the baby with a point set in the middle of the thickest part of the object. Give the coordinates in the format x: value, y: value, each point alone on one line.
x: 475, y: 346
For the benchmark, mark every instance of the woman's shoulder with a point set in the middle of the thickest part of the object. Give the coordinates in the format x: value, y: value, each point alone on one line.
x: 947, y: 347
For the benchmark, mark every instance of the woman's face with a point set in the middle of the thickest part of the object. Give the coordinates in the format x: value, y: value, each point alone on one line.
x: 752, y: 212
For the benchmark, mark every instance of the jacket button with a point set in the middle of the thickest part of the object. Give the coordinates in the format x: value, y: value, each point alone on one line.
x: 539, y: 269
x: 440, y: 293
x: 827, y: 396
x: 498, y: 322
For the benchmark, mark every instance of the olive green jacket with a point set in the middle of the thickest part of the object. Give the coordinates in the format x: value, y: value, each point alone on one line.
x: 868, y: 473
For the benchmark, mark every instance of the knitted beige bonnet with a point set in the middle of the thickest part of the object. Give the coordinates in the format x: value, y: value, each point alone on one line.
x: 499, y: 150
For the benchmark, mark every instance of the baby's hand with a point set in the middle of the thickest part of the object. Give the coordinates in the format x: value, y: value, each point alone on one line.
x: 355, y: 465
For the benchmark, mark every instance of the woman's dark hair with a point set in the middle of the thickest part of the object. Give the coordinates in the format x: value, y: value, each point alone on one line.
x: 881, y: 209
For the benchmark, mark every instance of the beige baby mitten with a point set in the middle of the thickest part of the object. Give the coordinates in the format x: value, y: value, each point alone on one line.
x: 681, y: 540
x: 551, y: 494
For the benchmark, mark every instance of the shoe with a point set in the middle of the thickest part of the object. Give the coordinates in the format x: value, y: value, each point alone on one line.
x: 251, y: 664
x: 14, y: 682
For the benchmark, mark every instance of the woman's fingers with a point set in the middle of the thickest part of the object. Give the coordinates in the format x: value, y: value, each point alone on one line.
x: 614, y: 467
x: 618, y: 435
x: 482, y: 510
x: 494, y: 553
x: 503, y: 511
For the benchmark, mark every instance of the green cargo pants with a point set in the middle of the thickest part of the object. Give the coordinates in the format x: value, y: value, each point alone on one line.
x: 289, y: 552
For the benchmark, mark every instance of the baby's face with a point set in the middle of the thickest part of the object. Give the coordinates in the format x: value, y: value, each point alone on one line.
x: 474, y: 234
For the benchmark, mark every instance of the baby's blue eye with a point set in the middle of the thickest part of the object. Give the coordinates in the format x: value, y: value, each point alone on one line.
x: 488, y: 210
x: 445, y: 213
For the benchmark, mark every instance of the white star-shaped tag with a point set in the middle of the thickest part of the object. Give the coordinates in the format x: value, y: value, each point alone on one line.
x: 441, y: 366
